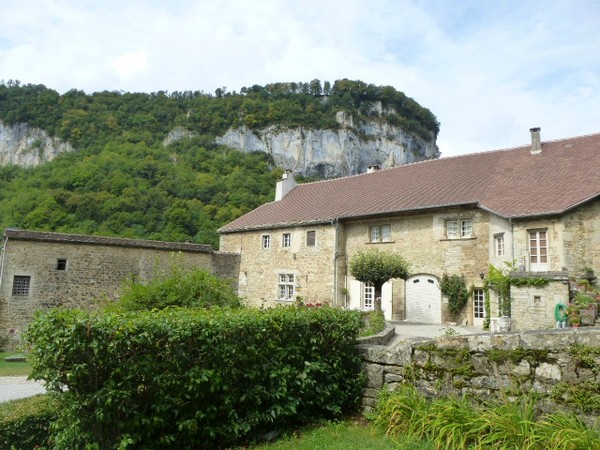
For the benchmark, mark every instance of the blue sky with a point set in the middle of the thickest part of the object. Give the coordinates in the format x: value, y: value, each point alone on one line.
x: 489, y: 70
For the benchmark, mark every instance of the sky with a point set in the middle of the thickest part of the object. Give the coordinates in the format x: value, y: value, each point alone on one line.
x: 488, y: 69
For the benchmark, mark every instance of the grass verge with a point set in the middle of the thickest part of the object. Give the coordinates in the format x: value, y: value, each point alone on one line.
x: 350, y: 434
x: 13, y: 369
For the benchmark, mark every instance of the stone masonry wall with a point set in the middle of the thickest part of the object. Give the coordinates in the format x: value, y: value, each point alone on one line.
x: 562, y: 366
x: 421, y: 240
x: 312, y: 266
x: 93, y: 274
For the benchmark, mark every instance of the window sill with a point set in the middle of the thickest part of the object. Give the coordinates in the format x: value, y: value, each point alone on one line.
x: 283, y: 300
x: 379, y: 243
x: 459, y: 239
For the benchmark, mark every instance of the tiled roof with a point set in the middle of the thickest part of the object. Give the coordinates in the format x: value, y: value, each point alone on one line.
x: 101, y: 240
x: 511, y: 183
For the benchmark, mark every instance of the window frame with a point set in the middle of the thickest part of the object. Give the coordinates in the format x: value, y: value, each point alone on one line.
x: 286, y: 287
x: 368, y: 297
x: 21, y: 286
x: 457, y: 229
x: 380, y: 233
x: 61, y: 264
x: 499, y: 245
x: 311, y: 238
x: 478, y: 304
x: 541, y: 251
x: 286, y: 240
x: 265, y: 241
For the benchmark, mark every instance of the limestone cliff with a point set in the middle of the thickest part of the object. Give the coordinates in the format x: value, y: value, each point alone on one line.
x: 25, y: 146
x: 349, y: 150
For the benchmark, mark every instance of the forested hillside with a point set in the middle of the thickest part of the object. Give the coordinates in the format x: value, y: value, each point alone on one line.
x: 121, y: 180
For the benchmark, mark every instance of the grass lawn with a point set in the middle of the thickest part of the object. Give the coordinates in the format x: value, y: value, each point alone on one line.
x: 11, y: 369
x: 351, y: 434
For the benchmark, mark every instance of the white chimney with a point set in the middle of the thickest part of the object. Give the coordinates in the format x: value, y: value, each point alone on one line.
x: 285, y: 185
x: 373, y: 168
x: 536, y: 144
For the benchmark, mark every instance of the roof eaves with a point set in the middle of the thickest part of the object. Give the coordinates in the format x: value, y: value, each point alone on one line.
x: 272, y: 226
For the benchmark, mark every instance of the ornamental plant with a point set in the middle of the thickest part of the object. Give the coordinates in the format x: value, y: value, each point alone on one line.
x: 378, y: 267
x: 455, y: 288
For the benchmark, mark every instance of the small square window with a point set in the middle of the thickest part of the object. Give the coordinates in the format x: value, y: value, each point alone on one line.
x: 286, y: 241
x: 311, y: 237
x: 21, y: 285
x: 266, y: 241
x: 61, y: 264
x: 381, y: 233
x: 459, y: 229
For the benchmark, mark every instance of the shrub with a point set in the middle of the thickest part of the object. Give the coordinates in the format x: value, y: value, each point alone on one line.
x: 455, y: 288
x: 192, y: 378
x: 24, y: 424
x: 195, y: 288
x: 374, y: 322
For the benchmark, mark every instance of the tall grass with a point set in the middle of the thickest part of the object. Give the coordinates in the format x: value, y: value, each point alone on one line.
x: 459, y: 423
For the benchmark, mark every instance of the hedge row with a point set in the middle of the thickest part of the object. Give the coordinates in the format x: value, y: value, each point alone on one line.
x: 194, y: 378
x: 24, y: 424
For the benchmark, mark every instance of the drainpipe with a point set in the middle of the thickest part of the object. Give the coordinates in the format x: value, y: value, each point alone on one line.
x: 2, y: 262
x: 335, y: 259
x: 512, y: 240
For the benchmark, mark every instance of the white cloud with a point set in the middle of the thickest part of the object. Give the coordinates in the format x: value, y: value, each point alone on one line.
x: 488, y: 70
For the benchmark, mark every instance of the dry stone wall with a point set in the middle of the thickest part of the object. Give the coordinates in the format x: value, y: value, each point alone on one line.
x: 561, y: 366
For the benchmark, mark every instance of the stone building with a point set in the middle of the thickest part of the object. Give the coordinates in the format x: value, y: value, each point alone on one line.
x: 536, y: 207
x: 43, y: 270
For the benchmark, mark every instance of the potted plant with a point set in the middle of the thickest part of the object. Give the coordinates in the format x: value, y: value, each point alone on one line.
x: 574, y: 320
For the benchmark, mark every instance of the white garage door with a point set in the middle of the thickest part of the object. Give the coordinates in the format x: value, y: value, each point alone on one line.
x: 423, y: 299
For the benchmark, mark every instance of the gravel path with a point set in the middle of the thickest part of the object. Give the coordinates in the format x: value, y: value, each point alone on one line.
x: 12, y: 388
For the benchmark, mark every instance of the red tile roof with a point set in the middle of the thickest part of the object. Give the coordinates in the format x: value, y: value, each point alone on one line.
x: 47, y: 236
x: 510, y: 183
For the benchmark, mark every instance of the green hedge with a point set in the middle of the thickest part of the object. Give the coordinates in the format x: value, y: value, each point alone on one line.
x: 24, y: 424
x: 193, y: 378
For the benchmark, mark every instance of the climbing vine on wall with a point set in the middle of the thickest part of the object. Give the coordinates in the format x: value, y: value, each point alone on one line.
x: 455, y: 288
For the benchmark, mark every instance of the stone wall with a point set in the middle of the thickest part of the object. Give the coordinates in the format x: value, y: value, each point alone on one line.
x: 562, y: 366
x: 421, y: 240
x: 259, y: 268
x: 93, y: 273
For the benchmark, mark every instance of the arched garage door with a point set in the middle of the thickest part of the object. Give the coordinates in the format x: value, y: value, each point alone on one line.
x: 423, y: 299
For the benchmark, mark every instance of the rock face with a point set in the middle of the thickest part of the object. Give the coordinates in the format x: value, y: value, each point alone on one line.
x: 25, y: 146
x: 328, y: 153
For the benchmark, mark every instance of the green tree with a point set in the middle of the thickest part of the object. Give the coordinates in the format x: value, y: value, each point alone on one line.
x: 378, y: 267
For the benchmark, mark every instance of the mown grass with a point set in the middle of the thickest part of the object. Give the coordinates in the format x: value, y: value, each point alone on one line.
x: 13, y: 369
x: 350, y: 434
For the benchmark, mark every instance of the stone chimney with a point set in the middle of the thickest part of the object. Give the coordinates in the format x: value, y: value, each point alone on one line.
x: 536, y: 144
x: 285, y: 185
x: 373, y: 168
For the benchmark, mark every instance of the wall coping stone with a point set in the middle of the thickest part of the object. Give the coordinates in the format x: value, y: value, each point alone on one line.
x: 44, y: 236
